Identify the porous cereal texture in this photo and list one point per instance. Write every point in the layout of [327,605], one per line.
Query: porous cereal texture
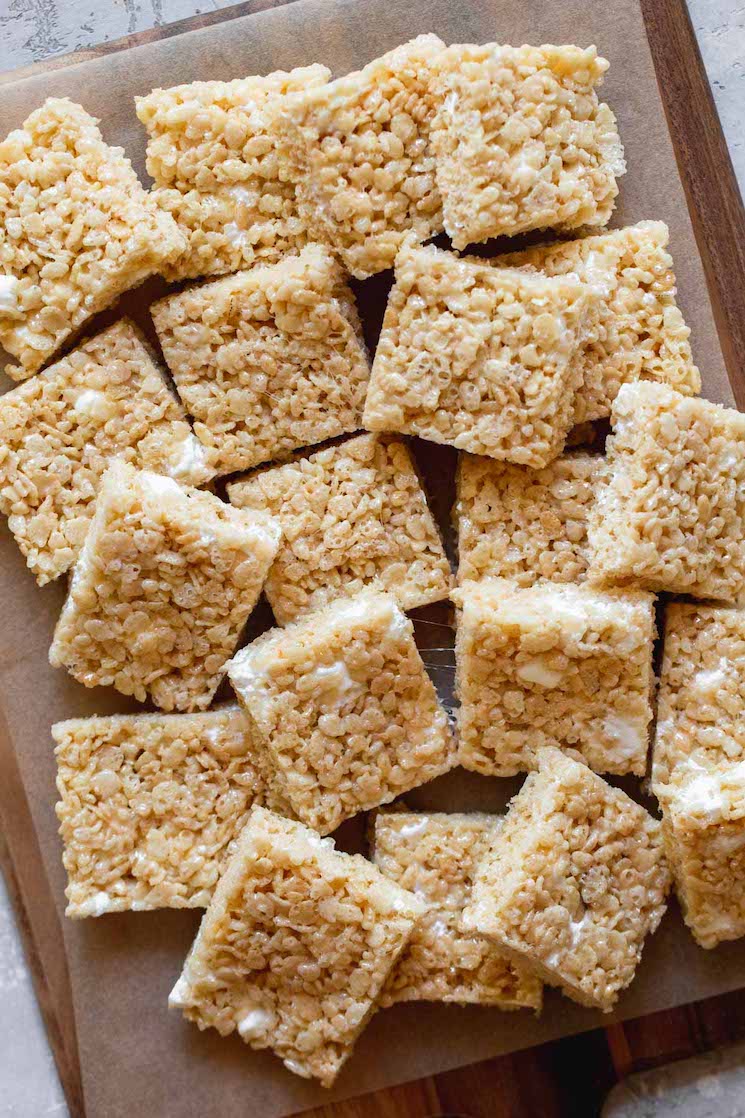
[575,881]
[358,149]
[295,946]
[553,665]
[268,360]
[521,141]
[352,515]
[163,587]
[212,152]
[150,806]
[524,524]
[60,430]
[343,709]
[670,508]
[436,856]
[478,357]
[636,330]
[76,230]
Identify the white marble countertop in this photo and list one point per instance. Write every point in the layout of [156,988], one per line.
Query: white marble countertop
[31,30]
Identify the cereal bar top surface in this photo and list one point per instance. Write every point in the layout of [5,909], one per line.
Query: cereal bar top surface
[352,515]
[165,582]
[150,806]
[521,140]
[295,946]
[78,231]
[267,360]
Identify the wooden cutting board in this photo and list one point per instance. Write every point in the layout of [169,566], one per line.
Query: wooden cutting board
[570,1076]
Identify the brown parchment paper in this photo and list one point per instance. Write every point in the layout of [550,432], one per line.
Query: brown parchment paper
[137,1058]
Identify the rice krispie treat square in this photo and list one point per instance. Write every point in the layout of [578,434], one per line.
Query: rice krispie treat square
[352,516]
[268,360]
[477,356]
[150,806]
[524,524]
[521,141]
[435,857]
[163,587]
[557,665]
[574,882]
[212,152]
[358,149]
[343,709]
[60,430]
[76,230]
[295,946]
[636,330]
[670,511]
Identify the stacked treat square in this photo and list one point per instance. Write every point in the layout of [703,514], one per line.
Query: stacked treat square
[273,189]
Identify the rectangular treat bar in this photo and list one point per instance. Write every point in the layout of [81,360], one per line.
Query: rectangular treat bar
[352,516]
[556,665]
[213,156]
[524,524]
[478,357]
[60,430]
[78,231]
[163,587]
[358,149]
[436,856]
[150,806]
[295,947]
[574,882]
[343,709]
[521,141]
[268,360]
[670,513]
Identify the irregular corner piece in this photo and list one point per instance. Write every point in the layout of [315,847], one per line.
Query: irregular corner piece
[478,357]
[553,665]
[343,709]
[436,856]
[352,515]
[213,155]
[164,585]
[574,882]
[150,806]
[636,330]
[670,512]
[268,360]
[524,524]
[60,430]
[521,141]
[331,926]
[79,231]
[358,149]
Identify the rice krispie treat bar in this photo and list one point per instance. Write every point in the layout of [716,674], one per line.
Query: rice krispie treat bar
[358,149]
[574,883]
[60,430]
[636,330]
[163,587]
[295,946]
[477,356]
[212,153]
[521,141]
[352,515]
[524,524]
[150,806]
[78,230]
[343,709]
[436,857]
[267,360]
[670,513]
[557,665]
